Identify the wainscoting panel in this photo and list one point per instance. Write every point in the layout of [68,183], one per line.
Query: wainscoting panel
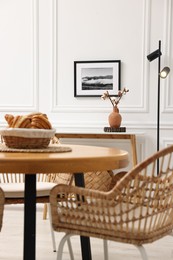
[19,55]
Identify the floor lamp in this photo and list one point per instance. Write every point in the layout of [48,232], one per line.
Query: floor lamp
[161,74]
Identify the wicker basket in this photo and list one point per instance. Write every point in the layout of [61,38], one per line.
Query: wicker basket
[21,138]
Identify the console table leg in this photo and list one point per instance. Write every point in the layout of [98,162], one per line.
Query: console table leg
[134,152]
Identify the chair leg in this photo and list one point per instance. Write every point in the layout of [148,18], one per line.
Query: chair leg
[45,211]
[65,238]
[142,252]
[70,248]
[105,247]
[51,230]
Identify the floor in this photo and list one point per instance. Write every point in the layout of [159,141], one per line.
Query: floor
[11,241]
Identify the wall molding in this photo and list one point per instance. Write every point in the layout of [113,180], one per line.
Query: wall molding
[167,141]
[94,126]
[88,125]
[34,67]
[54,57]
[93,109]
[167,107]
[143,107]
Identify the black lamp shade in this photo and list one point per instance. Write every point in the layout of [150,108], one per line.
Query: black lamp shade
[155,54]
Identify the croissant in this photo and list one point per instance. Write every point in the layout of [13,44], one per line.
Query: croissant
[34,120]
[36,114]
[9,118]
[40,121]
[18,121]
[21,122]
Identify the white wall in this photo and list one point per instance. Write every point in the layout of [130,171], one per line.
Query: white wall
[41,39]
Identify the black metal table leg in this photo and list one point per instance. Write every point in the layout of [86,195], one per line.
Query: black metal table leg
[30,217]
[85,241]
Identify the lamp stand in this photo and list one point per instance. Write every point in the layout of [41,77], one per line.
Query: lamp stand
[158,106]
[161,74]
[158,101]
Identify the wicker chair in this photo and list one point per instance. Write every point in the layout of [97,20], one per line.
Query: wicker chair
[13,187]
[137,210]
[1,206]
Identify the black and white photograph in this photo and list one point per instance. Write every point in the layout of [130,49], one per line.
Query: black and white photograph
[92,78]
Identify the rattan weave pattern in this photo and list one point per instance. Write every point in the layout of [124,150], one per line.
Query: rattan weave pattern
[26,138]
[99,180]
[137,210]
[25,143]
[49,149]
[1,207]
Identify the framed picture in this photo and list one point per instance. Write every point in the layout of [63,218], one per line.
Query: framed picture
[93,78]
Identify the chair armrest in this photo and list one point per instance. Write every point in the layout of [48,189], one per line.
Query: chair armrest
[63,192]
[115,178]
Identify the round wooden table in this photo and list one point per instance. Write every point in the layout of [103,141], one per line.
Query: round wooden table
[80,159]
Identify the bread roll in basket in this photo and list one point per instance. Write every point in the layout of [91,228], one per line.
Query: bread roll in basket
[33,131]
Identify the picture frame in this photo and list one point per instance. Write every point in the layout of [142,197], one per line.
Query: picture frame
[93,78]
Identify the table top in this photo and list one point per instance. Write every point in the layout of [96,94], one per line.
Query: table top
[105,135]
[80,159]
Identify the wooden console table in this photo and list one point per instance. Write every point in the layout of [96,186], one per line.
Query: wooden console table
[117,136]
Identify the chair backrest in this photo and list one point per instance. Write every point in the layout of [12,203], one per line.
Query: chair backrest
[11,178]
[62,178]
[138,209]
[144,197]
[2,201]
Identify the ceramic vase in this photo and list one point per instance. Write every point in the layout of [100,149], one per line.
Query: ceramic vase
[115,118]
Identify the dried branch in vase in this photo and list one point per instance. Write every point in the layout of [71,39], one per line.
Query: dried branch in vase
[114,100]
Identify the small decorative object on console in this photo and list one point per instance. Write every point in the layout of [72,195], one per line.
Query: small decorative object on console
[114,117]
[113,129]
